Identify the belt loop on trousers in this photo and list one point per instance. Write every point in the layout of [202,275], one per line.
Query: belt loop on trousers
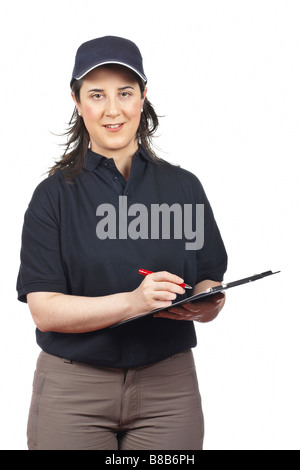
[68,361]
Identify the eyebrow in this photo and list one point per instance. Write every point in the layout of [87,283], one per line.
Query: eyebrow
[102,90]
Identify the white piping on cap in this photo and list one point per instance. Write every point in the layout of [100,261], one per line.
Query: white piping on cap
[112,62]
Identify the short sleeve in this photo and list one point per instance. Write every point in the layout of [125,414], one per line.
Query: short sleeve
[41,267]
[212,257]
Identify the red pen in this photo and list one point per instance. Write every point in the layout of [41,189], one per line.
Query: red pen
[144,272]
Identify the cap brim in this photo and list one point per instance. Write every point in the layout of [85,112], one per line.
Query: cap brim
[142,76]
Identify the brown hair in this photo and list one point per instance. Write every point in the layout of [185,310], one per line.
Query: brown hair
[78,138]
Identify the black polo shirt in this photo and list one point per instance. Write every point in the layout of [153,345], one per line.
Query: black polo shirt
[64,249]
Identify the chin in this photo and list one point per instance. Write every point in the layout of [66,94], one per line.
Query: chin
[116,145]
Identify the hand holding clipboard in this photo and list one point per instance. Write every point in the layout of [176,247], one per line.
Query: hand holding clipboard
[215,295]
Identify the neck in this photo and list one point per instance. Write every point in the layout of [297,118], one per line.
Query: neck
[124,165]
[122,157]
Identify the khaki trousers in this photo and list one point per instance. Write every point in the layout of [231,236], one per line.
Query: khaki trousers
[76,406]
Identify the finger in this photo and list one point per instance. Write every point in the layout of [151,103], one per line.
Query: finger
[170,316]
[203,318]
[206,317]
[164,295]
[178,310]
[162,304]
[170,287]
[166,276]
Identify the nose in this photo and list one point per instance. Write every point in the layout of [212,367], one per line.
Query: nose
[112,108]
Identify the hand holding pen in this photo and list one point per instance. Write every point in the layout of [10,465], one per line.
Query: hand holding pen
[157,290]
[203,311]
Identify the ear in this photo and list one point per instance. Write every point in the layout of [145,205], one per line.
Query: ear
[76,104]
[145,93]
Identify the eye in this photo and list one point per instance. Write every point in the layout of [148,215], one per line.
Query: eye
[124,94]
[97,96]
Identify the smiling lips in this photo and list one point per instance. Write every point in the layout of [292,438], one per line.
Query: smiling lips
[114,127]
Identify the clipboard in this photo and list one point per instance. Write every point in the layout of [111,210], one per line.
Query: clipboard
[207,293]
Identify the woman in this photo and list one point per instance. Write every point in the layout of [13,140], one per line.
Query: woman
[109,207]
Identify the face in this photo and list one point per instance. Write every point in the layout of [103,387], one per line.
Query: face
[110,105]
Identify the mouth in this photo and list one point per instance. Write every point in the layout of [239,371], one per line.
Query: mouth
[114,127]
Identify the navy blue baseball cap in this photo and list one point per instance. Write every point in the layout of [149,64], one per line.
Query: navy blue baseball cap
[107,50]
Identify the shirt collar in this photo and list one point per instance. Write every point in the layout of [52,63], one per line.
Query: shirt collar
[93,159]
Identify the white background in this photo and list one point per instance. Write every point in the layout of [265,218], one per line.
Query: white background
[226,76]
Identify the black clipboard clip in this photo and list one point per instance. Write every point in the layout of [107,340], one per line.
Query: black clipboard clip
[224,286]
